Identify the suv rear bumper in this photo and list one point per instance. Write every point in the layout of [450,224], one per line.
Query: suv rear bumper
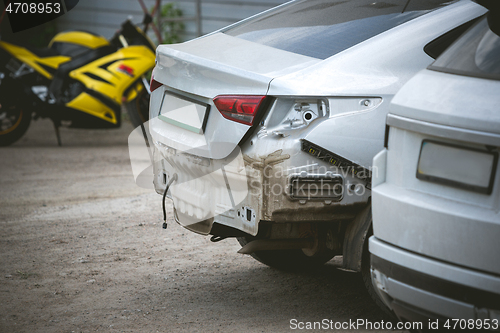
[417,287]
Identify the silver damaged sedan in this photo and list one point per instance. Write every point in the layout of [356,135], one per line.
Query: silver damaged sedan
[266,130]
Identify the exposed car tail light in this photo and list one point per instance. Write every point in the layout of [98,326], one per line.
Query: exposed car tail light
[241,109]
[153,85]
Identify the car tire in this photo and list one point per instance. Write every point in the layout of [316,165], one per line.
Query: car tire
[288,260]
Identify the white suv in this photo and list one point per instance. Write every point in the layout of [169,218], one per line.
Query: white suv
[436,198]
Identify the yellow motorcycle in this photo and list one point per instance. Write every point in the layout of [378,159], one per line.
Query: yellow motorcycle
[80,80]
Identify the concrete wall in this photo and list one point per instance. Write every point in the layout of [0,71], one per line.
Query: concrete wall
[105,16]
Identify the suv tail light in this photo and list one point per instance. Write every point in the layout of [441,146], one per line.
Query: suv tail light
[241,109]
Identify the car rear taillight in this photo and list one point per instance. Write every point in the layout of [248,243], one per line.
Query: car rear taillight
[154,84]
[241,109]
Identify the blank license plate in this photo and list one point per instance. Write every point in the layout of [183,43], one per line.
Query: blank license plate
[457,166]
[185,113]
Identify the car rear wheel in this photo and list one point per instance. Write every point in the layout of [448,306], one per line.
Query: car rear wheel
[290,260]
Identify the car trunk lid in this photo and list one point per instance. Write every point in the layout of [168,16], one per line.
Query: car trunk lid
[220,64]
[200,70]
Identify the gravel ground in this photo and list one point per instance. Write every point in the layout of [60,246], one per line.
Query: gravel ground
[82,249]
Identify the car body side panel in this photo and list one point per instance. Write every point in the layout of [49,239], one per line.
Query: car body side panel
[356,136]
[377,67]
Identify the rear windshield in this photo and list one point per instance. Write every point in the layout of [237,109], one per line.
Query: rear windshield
[322,28]
[476,53]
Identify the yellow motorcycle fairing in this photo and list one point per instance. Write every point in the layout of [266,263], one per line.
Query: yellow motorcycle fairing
[81,38]
[133,93]
[110,77]
[93,106]
[32,60]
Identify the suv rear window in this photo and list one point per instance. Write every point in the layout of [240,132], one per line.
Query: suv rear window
[476,53]
[322,28]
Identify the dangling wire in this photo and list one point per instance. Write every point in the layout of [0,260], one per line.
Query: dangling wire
[174,178]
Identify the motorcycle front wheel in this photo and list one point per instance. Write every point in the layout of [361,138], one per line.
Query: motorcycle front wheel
[138,108]
[14,122]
